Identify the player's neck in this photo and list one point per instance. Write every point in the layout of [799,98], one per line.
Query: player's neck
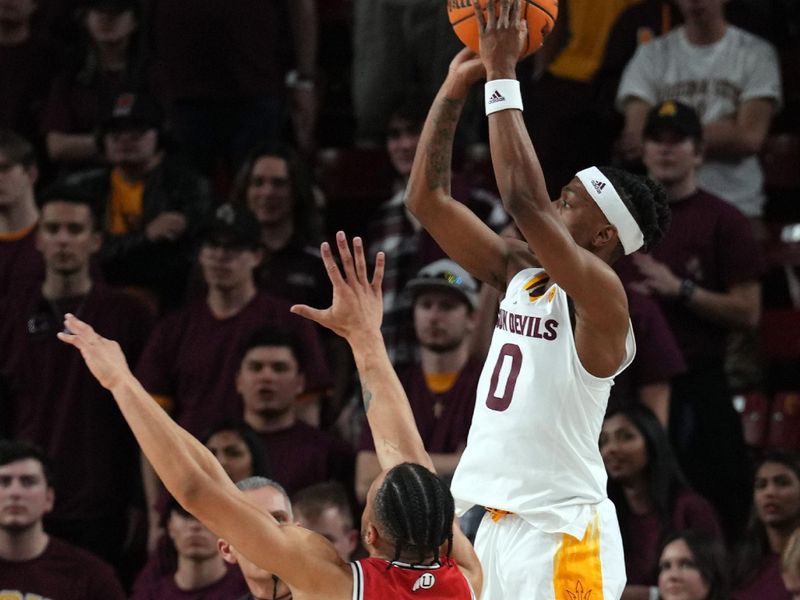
[275,236]
[19,216]
[444,362]
[58,286]
[270,423]
[681,189]
[194,574]
[23,545]
[706,31]
[227,302]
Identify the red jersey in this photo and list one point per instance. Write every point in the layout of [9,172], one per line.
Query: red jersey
[375,579]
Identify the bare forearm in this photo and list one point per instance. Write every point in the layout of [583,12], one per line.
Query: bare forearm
[656,397]
[67,147]
[182,463]
[394,430]
[726,139]
[305,35]
[727,309]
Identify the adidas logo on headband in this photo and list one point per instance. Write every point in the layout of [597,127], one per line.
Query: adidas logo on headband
[598,185]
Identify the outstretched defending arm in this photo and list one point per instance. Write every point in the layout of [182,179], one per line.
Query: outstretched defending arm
[305,561]
[356,314]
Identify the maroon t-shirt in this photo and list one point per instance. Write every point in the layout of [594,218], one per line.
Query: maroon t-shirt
[218,50]
[658,357]
[192,357]
[62,572]
[303,455]
[712,243]
[21,264]
[297,274]
[642,535]
[443,420]
[231,586]
[77,107]
[767,584]
[58,404]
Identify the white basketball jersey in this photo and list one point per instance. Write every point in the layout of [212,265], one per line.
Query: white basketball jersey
[533,445]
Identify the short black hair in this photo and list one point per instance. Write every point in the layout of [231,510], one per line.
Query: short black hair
[416,510]
[273,336]
[12,451]
[17,149]
[61,191]
[646,200]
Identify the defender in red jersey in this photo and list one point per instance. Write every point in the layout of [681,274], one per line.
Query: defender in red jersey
[417,549]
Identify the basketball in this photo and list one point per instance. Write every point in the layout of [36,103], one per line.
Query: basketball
[541,16]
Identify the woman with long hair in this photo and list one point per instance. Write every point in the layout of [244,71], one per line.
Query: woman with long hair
[649,491]
[774,517]
[692,566]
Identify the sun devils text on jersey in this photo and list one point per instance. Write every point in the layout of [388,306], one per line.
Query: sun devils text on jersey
[378,579]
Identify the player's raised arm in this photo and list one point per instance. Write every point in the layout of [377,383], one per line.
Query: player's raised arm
[461,234]
[196,479]
[356,314]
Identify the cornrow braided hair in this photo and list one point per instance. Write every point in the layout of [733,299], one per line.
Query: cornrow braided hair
[416,509]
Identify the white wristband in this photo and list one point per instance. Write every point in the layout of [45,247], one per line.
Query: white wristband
[502,94]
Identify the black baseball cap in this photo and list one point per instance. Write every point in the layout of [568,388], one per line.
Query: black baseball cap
[133,110]
[234,226]
[447,276]
[674,117]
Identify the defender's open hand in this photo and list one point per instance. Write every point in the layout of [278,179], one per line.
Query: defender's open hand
[357,307]
[103,357]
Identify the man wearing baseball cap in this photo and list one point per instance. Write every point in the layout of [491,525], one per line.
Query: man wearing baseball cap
[705,275]
[152,205]
[441,384]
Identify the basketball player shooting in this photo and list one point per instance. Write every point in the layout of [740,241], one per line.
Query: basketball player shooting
[416,549]
[562,333]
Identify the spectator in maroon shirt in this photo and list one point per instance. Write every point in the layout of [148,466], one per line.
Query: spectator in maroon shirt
[774,517]
[705,275]
[110,63]
[201,573]
[649,491]
[325,508]
[693,566]
[55,402]
[20,264]
[27,63]
[271,376]
[269,497]
[32,563]
[441,387]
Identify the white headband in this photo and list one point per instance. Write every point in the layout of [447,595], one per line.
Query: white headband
[607,198]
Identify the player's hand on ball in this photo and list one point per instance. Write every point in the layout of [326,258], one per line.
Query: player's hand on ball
[103,357]
[466,69]
[357,307]
[502,36]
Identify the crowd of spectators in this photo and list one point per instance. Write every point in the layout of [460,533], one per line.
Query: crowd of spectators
[168,170]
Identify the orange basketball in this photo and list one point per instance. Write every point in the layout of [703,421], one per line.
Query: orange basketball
[541,15]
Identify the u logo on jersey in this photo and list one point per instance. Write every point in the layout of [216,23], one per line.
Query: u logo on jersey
[425,582]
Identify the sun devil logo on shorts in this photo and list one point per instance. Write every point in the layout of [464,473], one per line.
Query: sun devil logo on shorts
[496,97]
[599,186]
[425,582]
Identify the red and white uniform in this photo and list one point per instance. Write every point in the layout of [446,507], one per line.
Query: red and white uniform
[378,579]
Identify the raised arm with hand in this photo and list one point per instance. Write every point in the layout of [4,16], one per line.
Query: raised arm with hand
[599,297]
[461,234]
[305,561]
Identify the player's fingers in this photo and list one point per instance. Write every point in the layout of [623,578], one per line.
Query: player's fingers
[361,262]
[505,8]
[78,327]
[69,338]
[515,6]
[479,16]
[377,275]
[344,254]
[491,16]
[330,264]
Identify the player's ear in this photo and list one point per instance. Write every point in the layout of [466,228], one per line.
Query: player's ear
[224,549]
[608,233]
